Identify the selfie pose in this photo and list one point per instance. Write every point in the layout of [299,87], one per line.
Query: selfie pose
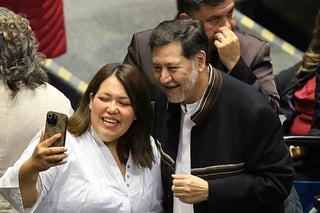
[109,162]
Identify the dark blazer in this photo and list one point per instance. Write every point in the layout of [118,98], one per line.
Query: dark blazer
[254,66]
[236,145]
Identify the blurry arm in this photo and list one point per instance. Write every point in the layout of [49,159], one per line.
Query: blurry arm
[260,73]
[263,70]
[242,72]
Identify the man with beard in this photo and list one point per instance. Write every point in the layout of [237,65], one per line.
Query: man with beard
[221,142]
[243,56]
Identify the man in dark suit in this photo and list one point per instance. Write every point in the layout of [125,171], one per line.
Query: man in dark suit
[243,56]
[220,141]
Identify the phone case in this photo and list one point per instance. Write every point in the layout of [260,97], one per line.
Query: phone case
[56,123]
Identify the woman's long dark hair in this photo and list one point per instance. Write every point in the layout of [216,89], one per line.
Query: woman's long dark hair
[137,138]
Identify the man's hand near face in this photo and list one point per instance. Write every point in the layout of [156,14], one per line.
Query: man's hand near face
[228,46]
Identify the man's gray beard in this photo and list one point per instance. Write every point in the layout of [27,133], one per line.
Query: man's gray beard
[188,87]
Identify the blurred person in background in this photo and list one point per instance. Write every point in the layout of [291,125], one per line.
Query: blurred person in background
[26,96]
[299,87]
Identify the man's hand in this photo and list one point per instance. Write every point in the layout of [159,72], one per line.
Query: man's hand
[228,46]
[190,188]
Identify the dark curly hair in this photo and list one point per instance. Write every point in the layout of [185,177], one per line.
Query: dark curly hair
[20,62]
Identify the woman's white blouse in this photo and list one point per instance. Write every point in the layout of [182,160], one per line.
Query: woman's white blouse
[90,181]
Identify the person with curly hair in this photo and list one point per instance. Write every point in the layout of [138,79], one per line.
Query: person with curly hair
[25,93]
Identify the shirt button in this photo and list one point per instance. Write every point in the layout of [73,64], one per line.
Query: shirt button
[128,166]
[128,176]
[128,185]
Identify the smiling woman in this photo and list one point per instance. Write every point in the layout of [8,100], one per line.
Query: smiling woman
[111,110]
[109,148]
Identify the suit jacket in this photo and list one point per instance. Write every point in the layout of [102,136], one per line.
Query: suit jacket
[236,145]
[254,66]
